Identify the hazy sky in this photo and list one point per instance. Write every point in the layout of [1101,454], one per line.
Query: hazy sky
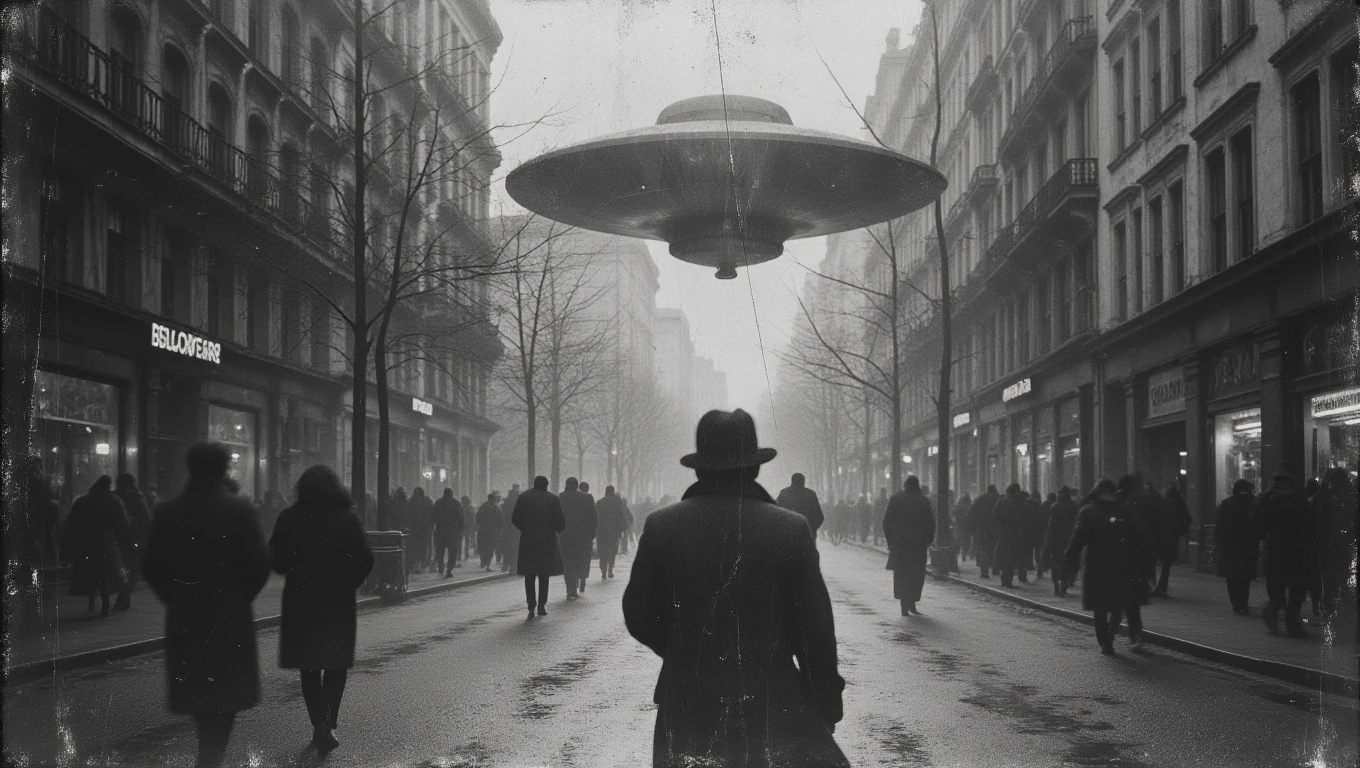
[603,66]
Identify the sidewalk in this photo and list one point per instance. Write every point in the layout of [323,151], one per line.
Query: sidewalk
[79,639]
[1197,620]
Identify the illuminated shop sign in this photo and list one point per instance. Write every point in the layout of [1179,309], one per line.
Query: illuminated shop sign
[962,419]
[420,406]
[1166,393]
[1021,387]
[185,343]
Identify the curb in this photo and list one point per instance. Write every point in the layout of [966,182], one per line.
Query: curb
[1305,676]
[35,670]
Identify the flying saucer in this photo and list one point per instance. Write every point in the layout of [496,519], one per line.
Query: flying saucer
[725,180]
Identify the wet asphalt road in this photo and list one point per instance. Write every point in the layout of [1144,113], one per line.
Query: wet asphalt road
[462,679]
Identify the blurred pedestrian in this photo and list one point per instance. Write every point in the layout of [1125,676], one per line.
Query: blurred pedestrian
[1041,527]
[446,521]
[1175,523]
[139,527]
[1282,518]
[1062,519]
[488,530]
[578,510]
[611,526]
[319,546]
[803,500]
[206,559]
[876,518]
[396,513]
[1010,534]
[1236,545]
[1110,548]
[507,545]
[628,521]
[1032,534]
[963,533]
[153,497]
[419,508]
[539,519]
[94,542]
[726,589]
[909,526]
[469,512]
[841,521]
[863,514]
[273,505]
[980,527]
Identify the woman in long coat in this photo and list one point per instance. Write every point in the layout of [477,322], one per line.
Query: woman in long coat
[206,559]
[538,516]
[909,527]
[93,544]
[488,530]
[1061,519]
[1111,548]
[1010,535]
[319,547]
[1236,545]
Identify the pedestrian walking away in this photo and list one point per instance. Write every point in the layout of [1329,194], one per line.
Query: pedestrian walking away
[980,528]
[1236,545]
[876,520]
[95,538]
[489,525]
[611,526]
[960,519]
[139,527]
[578,509]
[803,500]
[1010,534]
[419,510]
[446,519]
[1175,523]
[909,527]
[538,518]
[206,559]
[727,590]
[507,545]
[1110,548]
[1062,519]
[1284,521]
[318,545]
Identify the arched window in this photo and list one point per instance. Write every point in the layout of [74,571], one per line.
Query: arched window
[220,126]
[257,30]
[125,47]
[257,162]
[321,77]
[290,182]
[175,93]
[291,42]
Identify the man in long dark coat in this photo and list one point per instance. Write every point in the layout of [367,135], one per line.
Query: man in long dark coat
[538,517]
[139,527]
[963,533]
[1236,545]
[726,589]
[1284,520]
[419,508]
[1009,533]
[611,528]
[1062,517]
[909,526]
[578,509]
[469,512]
[1110,546]
[1175,524]
[507,546]
[980,526]
[876,519]
[93,543]
[446,517]
[206,559]
[489,525]
[803,500]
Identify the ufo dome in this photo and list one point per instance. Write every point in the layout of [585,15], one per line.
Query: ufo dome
[725,180]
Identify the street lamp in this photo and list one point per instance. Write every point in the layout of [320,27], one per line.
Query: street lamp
[725,180]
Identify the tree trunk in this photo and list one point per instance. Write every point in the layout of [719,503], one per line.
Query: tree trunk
[943,556]
[866,460]
[359,392]
[384,425]
[531,433]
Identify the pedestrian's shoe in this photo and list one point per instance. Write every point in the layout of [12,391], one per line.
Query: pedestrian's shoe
[914,609]
[324,740]
[1159,592]
[1107,649]
[611,573]
[531,612]
[1136,642]
[542,610]
[905,610]
[582,588]
[1272,621]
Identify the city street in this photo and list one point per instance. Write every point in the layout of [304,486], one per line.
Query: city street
[461,679]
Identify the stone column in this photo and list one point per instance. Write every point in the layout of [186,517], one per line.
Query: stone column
[1273,400]
[1131,441]
[1197,490]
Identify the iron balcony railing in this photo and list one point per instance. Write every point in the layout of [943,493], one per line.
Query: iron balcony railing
[1077,35]
[982,83]
[983,174]
[1076,175]
[110,81]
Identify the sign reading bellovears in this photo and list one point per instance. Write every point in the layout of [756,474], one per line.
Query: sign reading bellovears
[185,343]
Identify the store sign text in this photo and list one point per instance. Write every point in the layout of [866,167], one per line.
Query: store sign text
[1234,371]
[1166,393]
[962,419]
[1021,387]
[420,406]
[185,343]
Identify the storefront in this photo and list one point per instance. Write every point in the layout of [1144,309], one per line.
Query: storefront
[1324,390]
[1235,418]
[1163,452]
[965,457]
[78,432]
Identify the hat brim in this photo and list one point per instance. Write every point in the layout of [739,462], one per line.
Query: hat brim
[751,459]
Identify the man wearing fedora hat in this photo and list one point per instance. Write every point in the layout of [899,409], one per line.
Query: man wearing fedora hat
[726,588]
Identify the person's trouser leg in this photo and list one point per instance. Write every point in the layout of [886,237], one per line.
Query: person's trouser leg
[1007,571]
[1275,599]
[214,731]
[1165,578]
[1296,589]
[1103,635]
[542,591]
[1234,593]
[332,691]
[1135,613]
[314,698]
[529,596]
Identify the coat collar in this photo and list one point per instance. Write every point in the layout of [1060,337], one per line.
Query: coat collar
[748,490]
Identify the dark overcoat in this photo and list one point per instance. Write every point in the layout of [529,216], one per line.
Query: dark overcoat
[1062,518]
[612,523]
[1110,546]
[446,516]
[726,588]
[324,557]
[804,501]
[139,525]
[206,559]
[980,522]
[1285,522]
[909,527]
[1010,534]
[1236,545]
[94,541]
[578,512]
[538,518]
[488,527]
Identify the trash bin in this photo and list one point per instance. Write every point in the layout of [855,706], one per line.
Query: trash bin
[388,577]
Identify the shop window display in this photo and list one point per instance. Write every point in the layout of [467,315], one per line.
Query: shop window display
[1023,454]
[1043,451]
[1331,432]
[77,432]
[1237,449]
[236,430]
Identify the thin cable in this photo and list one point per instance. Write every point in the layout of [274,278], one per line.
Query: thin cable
[732,172]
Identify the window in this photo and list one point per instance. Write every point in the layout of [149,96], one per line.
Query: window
[321,78]
[256,34]
[1043,335]
[1136,87]
[1154,52]
[175,261]
[1121,271]
[257,168]
[175,92]
[1346,108]
[1213,30]
[1079,135]
[1120,138]
[1241,17]
[1216,182]
[61,220]
[1062,295]
[291,53]
[219,130]
[1136,258]
[1022,326]
[1173,48]
[1243,186]
[1175,197]
[221,294]
[1308,149]
[122,253]
[1156,271]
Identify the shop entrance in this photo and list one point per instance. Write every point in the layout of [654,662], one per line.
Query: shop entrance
[1163,456]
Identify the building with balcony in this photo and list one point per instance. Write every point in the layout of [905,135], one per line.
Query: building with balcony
[1228,293]
[175,255]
